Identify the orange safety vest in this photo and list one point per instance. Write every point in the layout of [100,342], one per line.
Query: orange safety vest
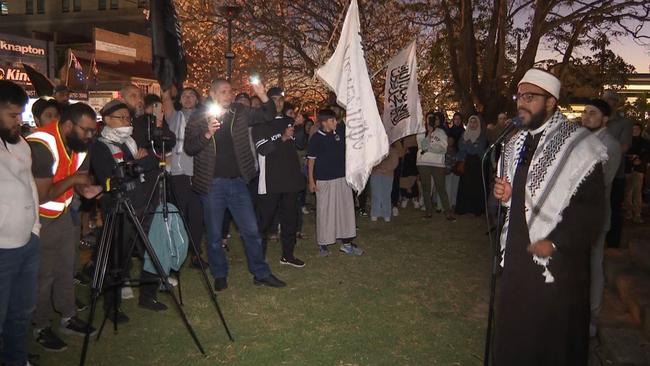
[64,166]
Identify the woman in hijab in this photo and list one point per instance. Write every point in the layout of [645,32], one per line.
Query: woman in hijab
[472,145]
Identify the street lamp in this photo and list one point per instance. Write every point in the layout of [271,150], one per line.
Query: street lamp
[229,12]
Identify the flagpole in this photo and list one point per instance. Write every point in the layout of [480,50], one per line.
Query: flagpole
[67,69]
[329,42]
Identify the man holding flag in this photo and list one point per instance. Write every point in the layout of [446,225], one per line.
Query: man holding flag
[346,74]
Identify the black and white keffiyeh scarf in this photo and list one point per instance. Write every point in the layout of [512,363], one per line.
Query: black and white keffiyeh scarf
[565,156]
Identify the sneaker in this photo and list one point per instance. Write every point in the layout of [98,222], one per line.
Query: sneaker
[416,204]
[323,251]
[351,249]
[220,283]
[49,340]
[119,318]
[423,208]
[404,203]
[173,282]
[270,281]
[373,218]
[363,213]
[305,210]
[386,219]
[80,305]
[152,304]
[292,262]
[395,211]
[76,326]
[127,293]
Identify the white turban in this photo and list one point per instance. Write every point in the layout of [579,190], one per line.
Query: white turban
[544,80]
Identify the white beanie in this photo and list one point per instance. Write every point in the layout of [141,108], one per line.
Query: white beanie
[544,80]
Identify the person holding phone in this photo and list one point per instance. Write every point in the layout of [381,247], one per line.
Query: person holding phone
[218,137]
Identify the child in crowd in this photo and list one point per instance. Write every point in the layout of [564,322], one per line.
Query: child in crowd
[335,217]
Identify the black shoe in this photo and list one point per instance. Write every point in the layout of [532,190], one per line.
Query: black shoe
[270,281]
[220,283]
[196,263]
[119,318]
[80,305]
[76,326]
[49,340]
[292,262]
[152,304]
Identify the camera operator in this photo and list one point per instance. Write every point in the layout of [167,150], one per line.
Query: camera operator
[115,146]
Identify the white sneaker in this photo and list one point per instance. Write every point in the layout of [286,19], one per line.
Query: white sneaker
[404,203]
[416,204]
[386,219]
[423,208]
[373,218]
[305,211]
[172,281]
[127,293]
[395,211]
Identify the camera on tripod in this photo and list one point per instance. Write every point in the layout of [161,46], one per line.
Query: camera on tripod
[125,178]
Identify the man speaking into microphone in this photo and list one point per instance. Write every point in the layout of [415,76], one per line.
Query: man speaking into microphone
[552,184]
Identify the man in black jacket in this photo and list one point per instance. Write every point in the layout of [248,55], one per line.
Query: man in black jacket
[280,178]
[218,136]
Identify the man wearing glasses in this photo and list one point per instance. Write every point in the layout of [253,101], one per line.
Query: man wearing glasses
[553,187]
[116,145]
[59,166]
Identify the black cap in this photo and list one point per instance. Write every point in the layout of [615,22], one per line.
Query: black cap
[275,92]
[242,95]
[601,105]
[61,88]
[112,106]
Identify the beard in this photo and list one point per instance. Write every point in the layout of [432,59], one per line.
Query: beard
[10,135]
[76,144]
[536,119]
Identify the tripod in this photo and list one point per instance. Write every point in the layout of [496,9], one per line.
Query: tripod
[163,183]
[122,210]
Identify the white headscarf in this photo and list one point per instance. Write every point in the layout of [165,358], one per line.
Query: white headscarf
[472,135]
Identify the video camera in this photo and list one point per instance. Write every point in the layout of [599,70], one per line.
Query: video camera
[125,178]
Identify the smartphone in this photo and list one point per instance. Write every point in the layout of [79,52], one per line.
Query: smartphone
[254,79]
[157,109]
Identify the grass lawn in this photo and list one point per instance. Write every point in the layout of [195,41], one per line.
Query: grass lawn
[417,297]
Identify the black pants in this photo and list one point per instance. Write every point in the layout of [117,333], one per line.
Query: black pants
[189,203]
[120,262]
[616,228]
[286,204]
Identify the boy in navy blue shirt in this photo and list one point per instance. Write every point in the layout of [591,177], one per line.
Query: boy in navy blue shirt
[335,217]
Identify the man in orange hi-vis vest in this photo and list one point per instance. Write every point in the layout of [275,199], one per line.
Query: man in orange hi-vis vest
[59,167]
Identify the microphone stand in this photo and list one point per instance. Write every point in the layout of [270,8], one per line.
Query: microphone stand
[494,240]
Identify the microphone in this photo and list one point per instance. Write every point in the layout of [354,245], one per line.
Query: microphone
[515,124]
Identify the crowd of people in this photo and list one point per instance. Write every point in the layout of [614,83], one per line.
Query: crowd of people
[252,160]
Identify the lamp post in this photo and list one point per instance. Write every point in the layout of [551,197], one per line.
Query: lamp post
[230,13]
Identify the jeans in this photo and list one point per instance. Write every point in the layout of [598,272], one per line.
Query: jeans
[380,204]
[18,288]
[232,194]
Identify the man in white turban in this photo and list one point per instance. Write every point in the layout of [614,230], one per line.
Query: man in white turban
[553,187]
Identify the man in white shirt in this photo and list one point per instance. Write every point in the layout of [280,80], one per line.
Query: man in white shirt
[19,229]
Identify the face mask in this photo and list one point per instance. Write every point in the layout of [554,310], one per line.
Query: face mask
[123,132]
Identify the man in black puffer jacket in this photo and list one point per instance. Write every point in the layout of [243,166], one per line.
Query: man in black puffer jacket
[218,136]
